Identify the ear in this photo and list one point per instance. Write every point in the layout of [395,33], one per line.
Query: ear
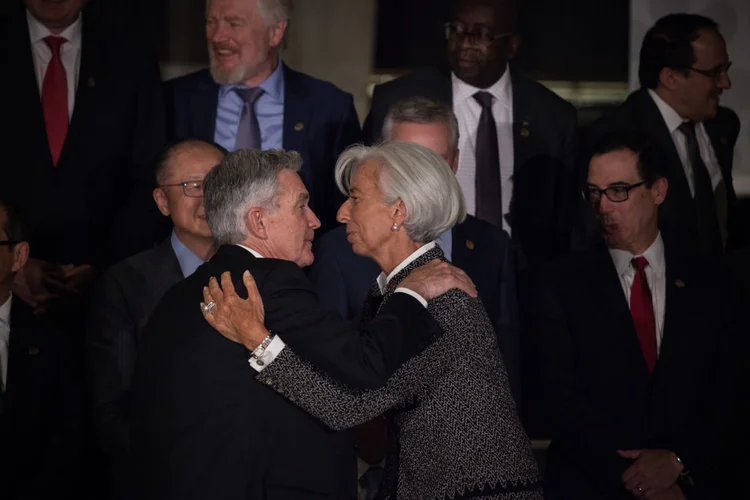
[399,212]
[454,163]
[670,78]
[513,44]
[659,190]
[257,223]
[161,201]
[277,33]
[20,256]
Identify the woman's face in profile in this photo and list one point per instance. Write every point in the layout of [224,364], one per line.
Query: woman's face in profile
[368,219]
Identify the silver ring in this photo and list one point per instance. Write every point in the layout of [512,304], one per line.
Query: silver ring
[640,490]
[209,306]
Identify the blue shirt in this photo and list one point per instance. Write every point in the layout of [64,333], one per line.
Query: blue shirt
[189,262]
[445,241]
[269,109]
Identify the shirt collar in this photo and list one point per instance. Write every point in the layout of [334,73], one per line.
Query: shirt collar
[38,31]
[256,254]
[273,86]
[501,90]
[671,117]
[383,280]
[5,309]
[654,255]
[188,261]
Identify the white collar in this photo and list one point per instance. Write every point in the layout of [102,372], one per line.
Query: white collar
[501,90]
[671,117]
[654,255]
[256,254]
[38,31]
[383,280]
[5,309]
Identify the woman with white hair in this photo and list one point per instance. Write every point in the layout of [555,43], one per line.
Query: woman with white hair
[457,434]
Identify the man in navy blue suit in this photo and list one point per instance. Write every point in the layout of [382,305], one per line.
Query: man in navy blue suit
[341,278]
[249,98]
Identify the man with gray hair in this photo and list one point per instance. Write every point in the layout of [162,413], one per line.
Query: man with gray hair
[249,98]
[203,427]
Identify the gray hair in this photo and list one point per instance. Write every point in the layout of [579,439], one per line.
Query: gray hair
[422,111]
[244,179]
[275,11]
[415,175]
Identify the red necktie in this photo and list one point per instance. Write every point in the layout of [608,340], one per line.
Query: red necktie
[642,311]
[55,99]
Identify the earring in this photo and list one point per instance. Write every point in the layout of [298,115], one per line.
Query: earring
[394,227]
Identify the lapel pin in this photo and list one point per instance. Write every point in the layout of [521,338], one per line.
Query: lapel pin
[299,126]
[91,82]
[679,284]
[525,123]
[470,244]
[33,351]
[524,132]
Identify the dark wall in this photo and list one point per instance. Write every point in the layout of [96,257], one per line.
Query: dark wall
[576,40]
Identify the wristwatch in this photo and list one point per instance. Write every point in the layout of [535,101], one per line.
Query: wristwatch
[259,351]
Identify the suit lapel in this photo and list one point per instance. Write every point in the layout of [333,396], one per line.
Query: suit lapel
[21,352]
[523,125]
[297,115]
[724,153]
[203,104]
[466,252]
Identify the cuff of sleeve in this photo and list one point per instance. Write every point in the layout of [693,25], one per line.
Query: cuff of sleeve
[413,294]
[272,351]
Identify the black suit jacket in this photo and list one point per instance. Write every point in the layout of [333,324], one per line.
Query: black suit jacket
[319,122]
[95,207]
[40,426]
[677,214]
[126,296]
[596,392]
[545,201]
[341,279]
[203,427]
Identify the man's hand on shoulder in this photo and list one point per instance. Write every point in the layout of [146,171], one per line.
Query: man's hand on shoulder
[436,278]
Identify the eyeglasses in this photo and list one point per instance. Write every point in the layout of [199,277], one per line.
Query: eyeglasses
[715,73]
[191,189]
[479,36]
[615,194]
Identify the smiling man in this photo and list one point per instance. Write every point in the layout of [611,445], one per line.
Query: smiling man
[684,69]
[633,340]
[248,98]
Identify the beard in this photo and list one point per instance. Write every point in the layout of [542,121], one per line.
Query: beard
[232,77]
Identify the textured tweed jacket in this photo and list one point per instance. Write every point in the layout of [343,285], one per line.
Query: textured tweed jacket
[457,431]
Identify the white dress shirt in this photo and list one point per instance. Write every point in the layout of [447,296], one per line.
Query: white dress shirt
[468,111]
[4,340]
[70,54]
[277,345]
[673,121]
[655,276]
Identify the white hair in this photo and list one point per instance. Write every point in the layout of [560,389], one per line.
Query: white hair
[244,179]
[275,11]
[422,111]
[415,175]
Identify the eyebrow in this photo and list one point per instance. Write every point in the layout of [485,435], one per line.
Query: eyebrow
[612,184]
[303,197]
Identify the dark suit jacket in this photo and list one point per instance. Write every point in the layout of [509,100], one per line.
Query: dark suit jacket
[677,214]
[545,200]
[319,123]
[125,297]
[95,207]
[596,392]
[40,426]
[341,279]
[203,427]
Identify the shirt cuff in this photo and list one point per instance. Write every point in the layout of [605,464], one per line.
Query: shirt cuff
[272,351]
[413,294]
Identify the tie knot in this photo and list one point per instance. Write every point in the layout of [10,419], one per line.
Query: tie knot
[484,99]
[688,128]
[249,95]
[54,43]
[640,263]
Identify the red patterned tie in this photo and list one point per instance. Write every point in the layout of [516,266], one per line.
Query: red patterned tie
[55,99]
[642,311]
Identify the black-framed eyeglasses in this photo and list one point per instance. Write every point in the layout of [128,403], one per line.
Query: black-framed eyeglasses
[191,189]
[715,73]
[7,243]
[476,36]
[615,194]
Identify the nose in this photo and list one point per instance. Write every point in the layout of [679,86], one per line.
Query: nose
[724,83]
[312,220]
[215,32]
[343,214]
[605,205]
